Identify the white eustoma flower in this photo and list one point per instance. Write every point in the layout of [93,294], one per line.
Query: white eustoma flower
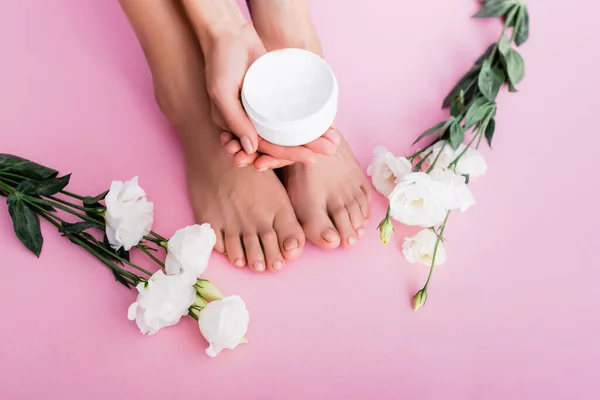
[386,170]
[458,194]
[419,200]
[471,163]
[189,248]
[162,301]
[420,248]
[223,323]
[128,215]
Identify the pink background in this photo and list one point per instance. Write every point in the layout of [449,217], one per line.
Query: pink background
[512,315]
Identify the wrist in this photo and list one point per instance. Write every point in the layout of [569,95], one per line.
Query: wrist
[214,18]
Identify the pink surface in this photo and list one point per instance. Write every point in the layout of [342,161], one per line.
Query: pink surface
[512,315]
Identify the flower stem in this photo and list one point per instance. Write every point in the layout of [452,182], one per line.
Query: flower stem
[435,160]
[159,237]
[144,250]
[452,165]
[73,195]
[435,249]
[66,209]
[127,275]
[67,203]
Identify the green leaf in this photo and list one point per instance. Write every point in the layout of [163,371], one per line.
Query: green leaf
[489,131]
[47,187]
[92,201]
[477,111]
[512,88]
[468,83]
[26,224]
[457,135]
[522,33]
[495,8]
[70,229]
[25,168]
[490,80]
[504,45]
[515,67]
[438,127]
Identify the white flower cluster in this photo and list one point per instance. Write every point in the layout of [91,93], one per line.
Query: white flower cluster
[166,297]
[423,197]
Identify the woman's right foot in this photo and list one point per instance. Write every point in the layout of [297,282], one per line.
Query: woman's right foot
[249,210]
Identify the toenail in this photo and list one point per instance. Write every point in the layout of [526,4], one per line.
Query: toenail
[365,221]
[360,231]
[259,266]
[330,235]
[290,244]
[242,165]
[351,240]
[262,169]
[277,264]
[239,262]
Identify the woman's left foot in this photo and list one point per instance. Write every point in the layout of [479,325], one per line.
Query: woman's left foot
[331,198]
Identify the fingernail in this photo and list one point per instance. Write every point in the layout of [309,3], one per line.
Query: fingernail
[289,244]
[360,231]
[239,262]
[351,240]
[277,265]
[330,235]
[259,266]
[247,145]
[242,165]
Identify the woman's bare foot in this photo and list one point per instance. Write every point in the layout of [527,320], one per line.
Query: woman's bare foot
[331,198]
[249,210]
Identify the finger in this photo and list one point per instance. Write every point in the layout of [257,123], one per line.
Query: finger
[292,153]
[241,159]
[233,147]
[225,96]
[226,137]
[265,162]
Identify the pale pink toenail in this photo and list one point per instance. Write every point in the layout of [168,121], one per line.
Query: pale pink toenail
[242,165]
[259,266]
[351,240]
[239,262]
[290,244]
[360,231]
[277,264]
[330,235]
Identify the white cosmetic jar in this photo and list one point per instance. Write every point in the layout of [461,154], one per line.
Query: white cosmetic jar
[291,96]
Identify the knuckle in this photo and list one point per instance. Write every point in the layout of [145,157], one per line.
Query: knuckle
[269,235]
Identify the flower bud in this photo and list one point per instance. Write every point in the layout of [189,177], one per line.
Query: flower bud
[419,299]
[386,229]
[207,290]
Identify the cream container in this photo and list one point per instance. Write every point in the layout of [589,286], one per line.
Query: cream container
[291,96]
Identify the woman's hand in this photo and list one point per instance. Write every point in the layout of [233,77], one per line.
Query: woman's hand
[282,24]
[230,45]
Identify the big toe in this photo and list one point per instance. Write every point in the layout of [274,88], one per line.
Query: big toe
[290,235]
